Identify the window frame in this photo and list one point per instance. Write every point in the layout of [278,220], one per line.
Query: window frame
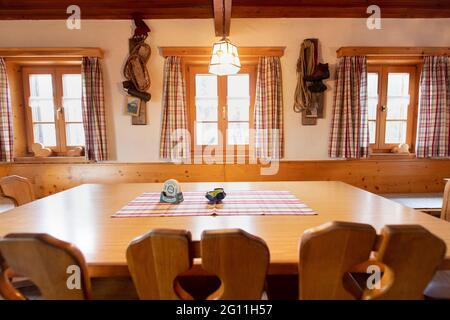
[383,68]
[192,69]
[57,71]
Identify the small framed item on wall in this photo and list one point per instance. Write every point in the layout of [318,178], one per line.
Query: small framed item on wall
[133,105]
[140,119]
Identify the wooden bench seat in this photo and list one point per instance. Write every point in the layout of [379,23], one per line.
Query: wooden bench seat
[430,203]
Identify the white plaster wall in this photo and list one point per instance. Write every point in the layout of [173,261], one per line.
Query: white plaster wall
[141,143]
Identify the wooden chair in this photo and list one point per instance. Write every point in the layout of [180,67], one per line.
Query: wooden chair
[18,189]
[239,259]
[414,254]
[327,254]
[45,261]
[445,211]
[156,259]
[333,257]
[439,287]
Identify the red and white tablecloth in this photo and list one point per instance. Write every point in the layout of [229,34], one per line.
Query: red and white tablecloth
[250,202]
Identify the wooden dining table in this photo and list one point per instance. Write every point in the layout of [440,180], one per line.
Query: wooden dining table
[83,216]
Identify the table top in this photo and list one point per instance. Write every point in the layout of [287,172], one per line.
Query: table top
[82,216]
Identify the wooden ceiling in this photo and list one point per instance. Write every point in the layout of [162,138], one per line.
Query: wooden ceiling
[188,9]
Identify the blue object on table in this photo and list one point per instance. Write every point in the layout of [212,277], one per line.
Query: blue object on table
[216,195]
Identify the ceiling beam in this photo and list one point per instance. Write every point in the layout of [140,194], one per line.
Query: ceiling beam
[203,9]
[222,17]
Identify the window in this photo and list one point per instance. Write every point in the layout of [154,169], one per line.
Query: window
[53,112]
[391,105]
[221,110]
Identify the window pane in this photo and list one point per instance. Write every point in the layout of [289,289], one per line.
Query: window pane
[41,98]
[206,109]
[238,85]
[238,99]
[41,86]
[72,85]
[372,108]
[206,133]
[398,96]
[45,134]
[372,84]
[205,85]
[238,109]
[42,109]
[237,133]
[372,131]
[372,93]
[75,134]
[395,132]
[397,108]
[72,110]
[72,97]
[206,101]
[398,84]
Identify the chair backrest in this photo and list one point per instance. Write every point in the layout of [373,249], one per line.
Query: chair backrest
[327,254]
[18,189]
[445,212]
[331,255]
[413,254]
[156,259]
[56,267]
[239,259]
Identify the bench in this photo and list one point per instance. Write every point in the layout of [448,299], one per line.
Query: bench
[430,203]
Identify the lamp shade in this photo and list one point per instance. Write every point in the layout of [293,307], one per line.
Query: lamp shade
[224,58]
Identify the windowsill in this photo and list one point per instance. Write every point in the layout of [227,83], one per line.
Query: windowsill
[391,155]
[80,159]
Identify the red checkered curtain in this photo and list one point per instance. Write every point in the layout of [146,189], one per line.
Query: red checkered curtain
[269,133]
[6,130]
[349,136]
[433,139]
[93,105]
[175,142]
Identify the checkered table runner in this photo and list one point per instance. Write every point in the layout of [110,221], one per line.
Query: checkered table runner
[235,203]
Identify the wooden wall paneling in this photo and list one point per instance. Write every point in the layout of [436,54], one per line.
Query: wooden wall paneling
[52,178]
[378,176]
[17,104]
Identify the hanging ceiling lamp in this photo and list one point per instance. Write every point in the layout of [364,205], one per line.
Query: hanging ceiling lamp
[224,56]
